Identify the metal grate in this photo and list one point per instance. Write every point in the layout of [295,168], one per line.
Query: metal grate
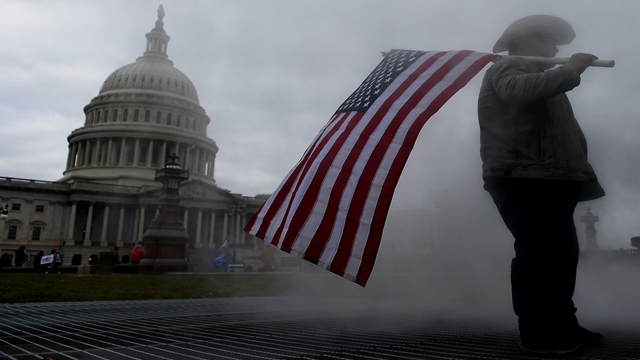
[263,328]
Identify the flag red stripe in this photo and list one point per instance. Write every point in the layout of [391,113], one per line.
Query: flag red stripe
[322,235]
[303,210]
[390,183]
[308,163]
[283,191]
[373,163]
[331,207]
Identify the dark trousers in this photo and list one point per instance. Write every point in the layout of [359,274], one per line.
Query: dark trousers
[539,214]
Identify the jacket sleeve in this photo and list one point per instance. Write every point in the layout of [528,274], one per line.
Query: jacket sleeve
[514,82]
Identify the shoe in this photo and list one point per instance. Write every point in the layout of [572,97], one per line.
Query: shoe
[585,337]
[557,349]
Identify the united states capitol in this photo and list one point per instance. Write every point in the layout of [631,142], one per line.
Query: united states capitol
[144,112]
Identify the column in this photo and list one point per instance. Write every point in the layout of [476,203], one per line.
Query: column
[203,163]
[69,156]
[237,226]
[86,153]
[187,159]
[163,155]
[196,167]
[136,152]
[79,152]
[209,164]
[123,151]
[105,226]
[199,230]
[96,154]
[141,223]
[120,226]
[87,234]
[212,225]
[243,220]
[149,153]
[109,155]
[72,221]
[225,223]
[134,230]
[213,164]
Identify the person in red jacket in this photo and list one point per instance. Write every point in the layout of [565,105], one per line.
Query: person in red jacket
[136,254]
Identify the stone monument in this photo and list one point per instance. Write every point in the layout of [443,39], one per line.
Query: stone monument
[589,219]
[165,241]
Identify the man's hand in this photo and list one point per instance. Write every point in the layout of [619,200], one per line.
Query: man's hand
[582,61]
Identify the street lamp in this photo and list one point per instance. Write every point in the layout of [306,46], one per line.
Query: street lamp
[4,212]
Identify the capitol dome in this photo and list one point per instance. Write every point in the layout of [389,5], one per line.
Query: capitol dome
[144,112]
[150,72]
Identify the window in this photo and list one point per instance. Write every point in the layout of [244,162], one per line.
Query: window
[151,80]
[39,208]
[106,116]
[169,119]
[15,207]
[179,120]
[135,115]
[115,115]
[142,78]
[13,230]
[125,115]
[126,79]
[98,118]
[160,80]
[135,76]
[147,115]
[158,116]
[35,234]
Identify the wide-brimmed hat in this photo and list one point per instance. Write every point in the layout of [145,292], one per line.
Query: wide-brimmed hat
[559,28]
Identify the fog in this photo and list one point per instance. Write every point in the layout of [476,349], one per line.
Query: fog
[270,74]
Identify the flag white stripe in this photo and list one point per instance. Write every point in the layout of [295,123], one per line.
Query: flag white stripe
[305,235]
[285,204]
[345,203]
[304,183]
[383,170]
[312,213]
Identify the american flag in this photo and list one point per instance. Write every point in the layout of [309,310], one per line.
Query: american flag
[331,207]
[192,147]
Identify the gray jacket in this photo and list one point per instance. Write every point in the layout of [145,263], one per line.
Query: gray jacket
[527,126]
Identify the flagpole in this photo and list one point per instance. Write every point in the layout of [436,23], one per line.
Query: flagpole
[559,61]
[547,60]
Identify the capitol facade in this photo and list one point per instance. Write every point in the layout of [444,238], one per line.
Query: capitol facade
[144,112]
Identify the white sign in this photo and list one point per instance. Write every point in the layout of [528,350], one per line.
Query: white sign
[47,259]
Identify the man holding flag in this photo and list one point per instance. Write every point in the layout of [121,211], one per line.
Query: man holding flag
[331,207]
[535,167]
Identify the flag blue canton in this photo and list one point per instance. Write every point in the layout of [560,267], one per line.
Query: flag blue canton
[393,64]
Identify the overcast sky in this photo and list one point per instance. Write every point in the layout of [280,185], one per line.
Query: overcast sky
[270,73]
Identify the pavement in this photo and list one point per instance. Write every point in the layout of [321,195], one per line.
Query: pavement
[327,328]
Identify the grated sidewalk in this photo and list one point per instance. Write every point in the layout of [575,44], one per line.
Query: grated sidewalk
[265,328]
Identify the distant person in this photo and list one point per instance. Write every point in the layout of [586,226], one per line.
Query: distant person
[38,259]
[136,254]
[115,253]
[57,261]
[5,260]
[21,256]
[268,259]
[535,167]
